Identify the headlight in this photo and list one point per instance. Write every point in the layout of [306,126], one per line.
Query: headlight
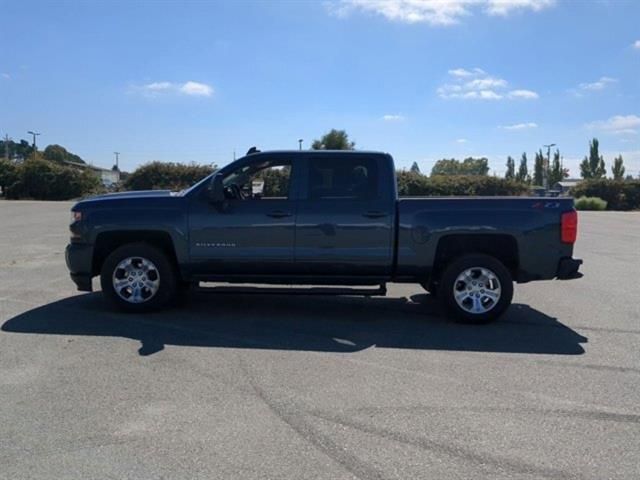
[76,216]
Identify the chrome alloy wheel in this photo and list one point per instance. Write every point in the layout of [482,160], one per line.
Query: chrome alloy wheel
[477,290]
[136,279]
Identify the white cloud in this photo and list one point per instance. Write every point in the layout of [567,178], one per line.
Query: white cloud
[461,140]
[487,82]
[504,7]
[618,125]
[433,12]
[197,89]
[477,84]
[636,45]
[525,94]
[5,75]
[598,84]
[158,86]
[393,118]
[188,88]
[520,126]
[461,72]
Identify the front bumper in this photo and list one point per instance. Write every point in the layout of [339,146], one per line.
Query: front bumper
[568,268]
[79,258]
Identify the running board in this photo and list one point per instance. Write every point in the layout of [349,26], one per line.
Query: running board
[367,292]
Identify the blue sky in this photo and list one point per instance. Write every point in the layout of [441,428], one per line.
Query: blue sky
[423,80]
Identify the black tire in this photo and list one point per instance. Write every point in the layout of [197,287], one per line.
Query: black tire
[166,276]
[490,309]
[432,288]
[184,291]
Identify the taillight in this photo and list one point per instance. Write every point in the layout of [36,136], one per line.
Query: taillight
[569,227]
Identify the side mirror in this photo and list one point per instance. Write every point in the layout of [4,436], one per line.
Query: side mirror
[216,189]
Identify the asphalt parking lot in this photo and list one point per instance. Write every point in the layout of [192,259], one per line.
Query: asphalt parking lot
[235,386]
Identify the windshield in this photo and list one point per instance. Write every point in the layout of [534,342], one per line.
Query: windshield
[187,191]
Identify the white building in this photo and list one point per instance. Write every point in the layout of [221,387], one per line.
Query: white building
[108,177]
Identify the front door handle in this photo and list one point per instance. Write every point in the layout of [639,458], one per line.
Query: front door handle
[278,214]
[374,214]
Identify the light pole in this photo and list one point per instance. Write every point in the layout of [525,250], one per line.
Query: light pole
[6,146]
[545,168]
[117,154]
[300,143]
[34,135]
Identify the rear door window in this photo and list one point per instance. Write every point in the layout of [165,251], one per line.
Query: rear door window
[343,178]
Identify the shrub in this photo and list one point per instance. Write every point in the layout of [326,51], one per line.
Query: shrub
[45,180]
[415,184]
[166,176]
[8,175]
[590,203]
[619,195]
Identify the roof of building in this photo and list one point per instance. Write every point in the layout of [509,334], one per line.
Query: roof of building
[569,182]
[87,165]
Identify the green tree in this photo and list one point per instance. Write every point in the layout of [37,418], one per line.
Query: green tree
[469,166]
[538,169]
[593,165]
[556,172]
[8,175]
[59,154]
[617,169]
[523,170]
[23,149]
[511,169]
[334,140]
[415,168]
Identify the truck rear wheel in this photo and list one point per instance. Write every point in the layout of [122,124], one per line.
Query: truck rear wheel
[476,288]
[138,277]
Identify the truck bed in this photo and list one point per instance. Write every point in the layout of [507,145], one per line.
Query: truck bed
[424,222]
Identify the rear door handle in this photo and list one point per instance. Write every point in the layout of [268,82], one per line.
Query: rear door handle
[375,214]
[278,214]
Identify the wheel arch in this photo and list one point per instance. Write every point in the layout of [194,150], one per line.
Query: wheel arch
[503,247]
[107,242]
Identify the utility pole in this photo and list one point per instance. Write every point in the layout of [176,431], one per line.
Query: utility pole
[300,144]
[6,146]
[117,154]
[545,168]
[35,148]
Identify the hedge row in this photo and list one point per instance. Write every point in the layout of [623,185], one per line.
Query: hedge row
[619,195]
[44,180]
[415,184]
[165,176]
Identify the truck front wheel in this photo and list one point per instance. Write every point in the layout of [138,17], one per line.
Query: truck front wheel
[476,288]
[138,277]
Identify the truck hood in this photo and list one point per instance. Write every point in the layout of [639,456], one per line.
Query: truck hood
[134,194]
[119,197]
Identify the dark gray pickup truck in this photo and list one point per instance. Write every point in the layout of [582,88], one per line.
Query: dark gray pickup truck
[322,218]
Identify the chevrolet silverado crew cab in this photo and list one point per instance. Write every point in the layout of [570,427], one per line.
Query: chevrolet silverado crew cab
[322,218]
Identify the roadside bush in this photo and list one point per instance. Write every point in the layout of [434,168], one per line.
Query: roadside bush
[590,203]
[415,184]
[44,180]
[8,175]
[165,176]
[619,195]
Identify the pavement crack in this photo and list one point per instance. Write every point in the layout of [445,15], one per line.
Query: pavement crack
[465,454]
[307,432]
